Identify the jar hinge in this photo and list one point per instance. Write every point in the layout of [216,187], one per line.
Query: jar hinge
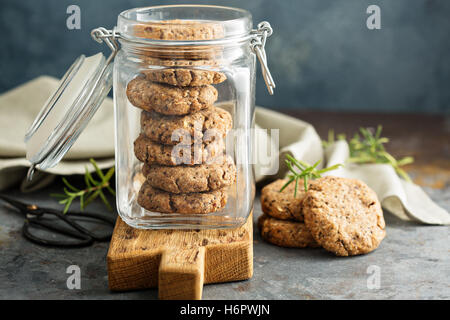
[258,44]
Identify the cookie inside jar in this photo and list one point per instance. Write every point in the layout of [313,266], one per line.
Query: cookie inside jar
[181,144]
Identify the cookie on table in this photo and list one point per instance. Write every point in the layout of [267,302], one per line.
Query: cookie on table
[283,205]
[153,199]
[284,233]
[203,126]
[169,100]
[184,77]
[177,29]
[151,152]
[344,216]
[186,179]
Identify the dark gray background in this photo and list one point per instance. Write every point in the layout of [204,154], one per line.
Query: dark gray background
[322,55]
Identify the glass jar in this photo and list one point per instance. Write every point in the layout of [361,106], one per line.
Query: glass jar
[183,82]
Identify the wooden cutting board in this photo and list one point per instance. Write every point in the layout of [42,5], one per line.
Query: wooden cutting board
[178,262]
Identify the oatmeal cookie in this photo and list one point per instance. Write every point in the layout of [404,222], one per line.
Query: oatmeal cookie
[185,179]
[283,205]
[203,126]
[184,77]
[182,30]
[175,61]
[285,233]
[344,216]
[169,100]
[153,199]
[200,54]
[150,152]
[179,30]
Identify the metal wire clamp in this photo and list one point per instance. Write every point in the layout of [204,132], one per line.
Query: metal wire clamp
[258,44]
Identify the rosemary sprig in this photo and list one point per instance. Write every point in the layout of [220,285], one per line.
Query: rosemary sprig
[94,188]
[368,147]
[306,172]
[331,139]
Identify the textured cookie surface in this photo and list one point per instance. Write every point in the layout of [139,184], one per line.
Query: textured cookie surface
[283,205]
[200,55]
[185,179]
[151,152]
[181,61]
[285,233]
[184,77]
[179,30]
[344,216]
[203,126]
[169,100]
[153,199]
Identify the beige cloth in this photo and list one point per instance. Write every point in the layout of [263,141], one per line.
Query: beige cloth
[19,107]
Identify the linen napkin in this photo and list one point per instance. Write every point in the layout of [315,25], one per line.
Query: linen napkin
[18,109]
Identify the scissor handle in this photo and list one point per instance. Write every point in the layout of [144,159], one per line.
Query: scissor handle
[83,240]
[108,220]
[67,219]
[34,213]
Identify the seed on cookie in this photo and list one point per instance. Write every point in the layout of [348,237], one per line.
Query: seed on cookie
[169,100]
[204,126]
[284,233]
[150,152]
[186,179]
[283,205]
[344,216]
[184,77]
[153,199]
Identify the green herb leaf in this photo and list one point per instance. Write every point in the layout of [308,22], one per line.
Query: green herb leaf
[368,147]
[287,183]
[305,173]
[67,206]
[97,169]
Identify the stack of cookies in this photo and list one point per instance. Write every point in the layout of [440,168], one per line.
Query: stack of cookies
[341,215]
[182,139]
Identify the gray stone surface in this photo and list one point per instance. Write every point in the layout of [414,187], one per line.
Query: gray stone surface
[413,260]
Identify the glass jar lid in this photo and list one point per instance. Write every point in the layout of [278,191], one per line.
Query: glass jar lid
[67,112]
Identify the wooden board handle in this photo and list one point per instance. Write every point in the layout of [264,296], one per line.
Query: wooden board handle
[181,274]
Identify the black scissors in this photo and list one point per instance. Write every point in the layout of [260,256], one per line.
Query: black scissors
[81,236]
